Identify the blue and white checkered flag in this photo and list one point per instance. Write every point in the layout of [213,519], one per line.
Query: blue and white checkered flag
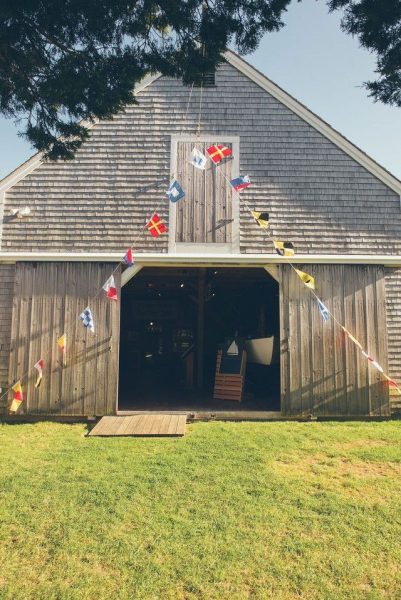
[87,319]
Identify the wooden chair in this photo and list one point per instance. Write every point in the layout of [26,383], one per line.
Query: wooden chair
[229,386]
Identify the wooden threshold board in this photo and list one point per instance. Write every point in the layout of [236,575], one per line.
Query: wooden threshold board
[147,425]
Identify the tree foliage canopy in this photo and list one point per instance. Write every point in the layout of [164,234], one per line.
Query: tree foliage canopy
[67,61]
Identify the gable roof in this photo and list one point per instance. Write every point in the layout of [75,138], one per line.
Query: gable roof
[277,92]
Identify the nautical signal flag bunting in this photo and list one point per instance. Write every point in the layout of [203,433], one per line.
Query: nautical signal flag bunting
[18,397]
[323,310]
[198,159]
[240,183]
[39,366]
[218,152]
[156,226]
[308,280]
[62,344]
[175,191]
[283,248]
[128,258]
[87,319]
[110,288]
[261,218]
[351,337]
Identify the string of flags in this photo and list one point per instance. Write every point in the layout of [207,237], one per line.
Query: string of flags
[110,288]
[284,248]
[156,225]
[261,218]
[218,154]
[62,344]
[175,191]
[87,319]
[39,366]
[18,397]
[240,183]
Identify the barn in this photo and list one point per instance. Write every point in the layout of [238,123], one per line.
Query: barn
[213,280]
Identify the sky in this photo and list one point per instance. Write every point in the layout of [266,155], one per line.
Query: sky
[313,60]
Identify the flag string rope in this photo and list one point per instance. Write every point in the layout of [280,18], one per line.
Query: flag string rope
[121,262]
[265,231]
[329,312]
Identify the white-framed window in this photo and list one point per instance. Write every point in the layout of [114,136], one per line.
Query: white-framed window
[207,219]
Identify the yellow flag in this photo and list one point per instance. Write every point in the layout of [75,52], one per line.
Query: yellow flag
[62,344]
[284,248]
[62,341]
[18,397]
[261,218]
[308,280]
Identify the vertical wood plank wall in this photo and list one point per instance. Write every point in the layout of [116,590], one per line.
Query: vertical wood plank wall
[323,373]
[208,197]
[48,299]
[6,301]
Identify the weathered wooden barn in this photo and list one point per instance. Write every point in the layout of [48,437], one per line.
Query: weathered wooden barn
[215,272]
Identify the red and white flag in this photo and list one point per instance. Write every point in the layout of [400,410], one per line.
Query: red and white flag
[110,288]
[39,366]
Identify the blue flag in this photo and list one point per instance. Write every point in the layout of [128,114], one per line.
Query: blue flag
[175,191]
[323,310]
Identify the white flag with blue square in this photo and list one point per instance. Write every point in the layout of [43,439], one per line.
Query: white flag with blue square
[198,159]
[175,191]
[87,319]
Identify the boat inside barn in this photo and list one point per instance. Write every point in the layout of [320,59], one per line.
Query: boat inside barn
[174,321]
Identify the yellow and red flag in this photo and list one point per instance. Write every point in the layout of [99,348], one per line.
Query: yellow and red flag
[218,152]
[156,226]
[18,397]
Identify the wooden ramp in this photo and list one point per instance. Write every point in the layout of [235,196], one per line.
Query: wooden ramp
[147,425]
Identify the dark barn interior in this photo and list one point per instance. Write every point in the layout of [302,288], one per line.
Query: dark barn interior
[173,322]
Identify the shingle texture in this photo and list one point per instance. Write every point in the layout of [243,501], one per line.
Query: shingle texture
[317,196]
[393,308]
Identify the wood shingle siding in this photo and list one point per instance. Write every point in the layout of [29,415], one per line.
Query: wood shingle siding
[322,372]
[48,299]
[393,309]
[318,197]
[6,302]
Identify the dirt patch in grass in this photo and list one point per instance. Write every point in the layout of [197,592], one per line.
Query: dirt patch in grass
[368,469]
[337,467]
[358,444]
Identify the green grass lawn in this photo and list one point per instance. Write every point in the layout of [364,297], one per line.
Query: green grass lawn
[231,511]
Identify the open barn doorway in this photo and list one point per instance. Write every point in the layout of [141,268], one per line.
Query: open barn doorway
[174,321]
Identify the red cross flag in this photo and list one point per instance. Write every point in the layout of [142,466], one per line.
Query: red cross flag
[156,226]
[218,152]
